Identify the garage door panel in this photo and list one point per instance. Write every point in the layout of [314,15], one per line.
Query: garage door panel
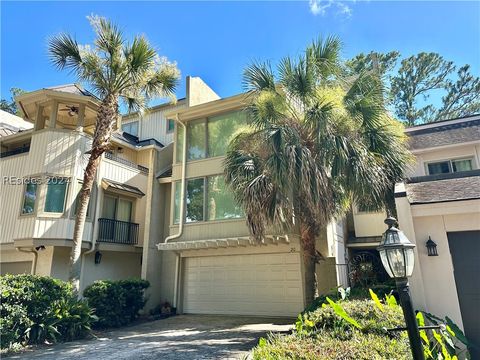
[257,284]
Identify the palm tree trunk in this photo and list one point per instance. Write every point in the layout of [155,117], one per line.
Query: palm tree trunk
[307,241]
[106,118]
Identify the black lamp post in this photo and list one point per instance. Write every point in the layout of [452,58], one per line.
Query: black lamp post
[396,252]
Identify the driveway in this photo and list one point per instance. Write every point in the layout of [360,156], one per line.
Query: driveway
[179,337]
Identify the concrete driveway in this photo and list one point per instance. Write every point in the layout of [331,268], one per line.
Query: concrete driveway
[179,337]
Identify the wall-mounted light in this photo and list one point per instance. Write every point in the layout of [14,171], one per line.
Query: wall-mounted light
[40,248]
[431,247]
[98,257]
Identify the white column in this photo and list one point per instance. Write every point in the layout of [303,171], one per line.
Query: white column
[81,117]
[53,114]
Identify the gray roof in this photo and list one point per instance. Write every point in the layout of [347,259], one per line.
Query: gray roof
[445,133]
[123,187]
[444,188]
[72,89]
[134,141]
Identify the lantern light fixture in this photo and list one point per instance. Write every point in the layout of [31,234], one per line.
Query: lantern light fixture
[98,257]
[431,247]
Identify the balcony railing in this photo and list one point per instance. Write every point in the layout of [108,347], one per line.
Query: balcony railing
[117,232]
[111,156]
[17,151]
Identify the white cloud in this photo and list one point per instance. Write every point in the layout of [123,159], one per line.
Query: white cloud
[320,7]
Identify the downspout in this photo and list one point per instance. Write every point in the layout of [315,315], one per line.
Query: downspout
[182,209]
[35,258]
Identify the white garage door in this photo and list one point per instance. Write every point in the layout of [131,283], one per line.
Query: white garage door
[260,284]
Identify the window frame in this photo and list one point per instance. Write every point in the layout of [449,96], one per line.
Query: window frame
[37,183]
[130,123]
[119,197]
[450,164]
[204,207]
[91,207]
[67,189]
[172,130]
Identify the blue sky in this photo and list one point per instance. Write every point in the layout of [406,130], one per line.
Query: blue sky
[216,40]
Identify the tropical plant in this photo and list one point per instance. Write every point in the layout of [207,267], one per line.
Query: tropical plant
[116,303]
[36,309]
[318,142]
[116,70]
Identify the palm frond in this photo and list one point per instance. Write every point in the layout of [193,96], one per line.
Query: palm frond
[258,76]
[65,52]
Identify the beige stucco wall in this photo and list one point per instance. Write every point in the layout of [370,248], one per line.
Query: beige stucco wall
[369,223]
[433,282]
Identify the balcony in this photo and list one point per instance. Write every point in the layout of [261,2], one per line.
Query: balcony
[110,156]
[117,232]
[16,151]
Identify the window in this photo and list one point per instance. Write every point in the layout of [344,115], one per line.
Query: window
[131,128]
[56,192]
[448,166]
[170,125]
[196,136]
[179,144]
[209,137]
[221,130]
[195,200]
[29,198]
[117,208]
[221,204]
[77,200]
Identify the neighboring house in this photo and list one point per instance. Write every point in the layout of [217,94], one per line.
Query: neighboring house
[439,201]
[11,124]
[42,172]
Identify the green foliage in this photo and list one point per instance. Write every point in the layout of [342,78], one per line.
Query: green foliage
[327,333]
[10,105]
[36,309]
[357,329]
[116,303]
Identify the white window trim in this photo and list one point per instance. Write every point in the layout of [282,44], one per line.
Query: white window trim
[450,163]
[37,197]
[92,201]
[46,214]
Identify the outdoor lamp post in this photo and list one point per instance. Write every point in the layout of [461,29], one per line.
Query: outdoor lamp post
[396,253]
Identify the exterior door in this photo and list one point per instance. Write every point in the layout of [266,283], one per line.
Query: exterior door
[465,250]
[118,211]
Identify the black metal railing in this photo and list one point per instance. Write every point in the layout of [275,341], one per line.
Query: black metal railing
[111,156]
[117,232]
[17,151]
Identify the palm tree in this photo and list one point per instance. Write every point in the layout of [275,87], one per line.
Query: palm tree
[317,143]
[116,70]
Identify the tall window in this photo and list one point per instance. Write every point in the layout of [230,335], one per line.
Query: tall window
[222,129]
[206,199]
[449,166]
[56,192]
[131,128]
[195,200]
[29,198]
[116,208]
[196,133]
[179,143]
[209,137]
[170,125]
[221,203]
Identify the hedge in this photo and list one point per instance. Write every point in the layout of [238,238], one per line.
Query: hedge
[35,309]
[116,303]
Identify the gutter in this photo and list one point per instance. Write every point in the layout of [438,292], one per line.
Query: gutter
[35,258]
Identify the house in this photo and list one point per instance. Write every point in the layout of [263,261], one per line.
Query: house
[211,264]
[197,253]
[439,202]
[11,124]
[42,172]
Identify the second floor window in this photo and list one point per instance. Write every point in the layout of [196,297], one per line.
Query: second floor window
[55,198]
[206,199]
[131,128]
[449,166]
[29,198]
[170,125]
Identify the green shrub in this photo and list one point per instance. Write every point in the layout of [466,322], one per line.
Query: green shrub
[116,303]
[35,309]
